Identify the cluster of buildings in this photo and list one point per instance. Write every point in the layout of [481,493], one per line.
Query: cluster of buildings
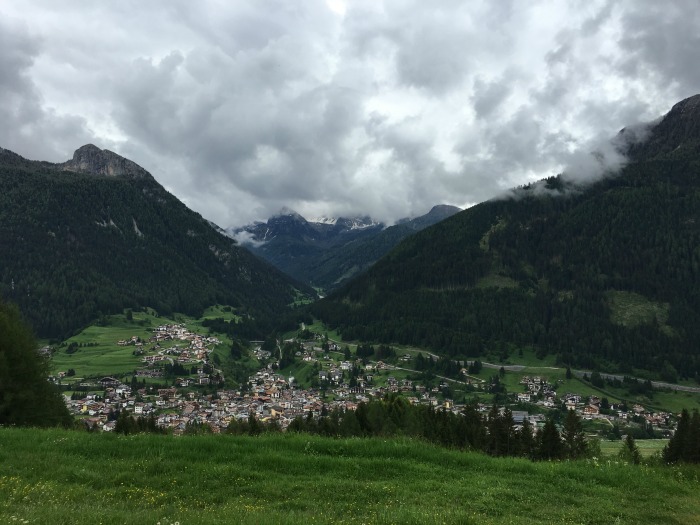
[268,396]
[189,348]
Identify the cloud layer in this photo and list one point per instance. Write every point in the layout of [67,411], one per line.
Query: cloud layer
[339,107]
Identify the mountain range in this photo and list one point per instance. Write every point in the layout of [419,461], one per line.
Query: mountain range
[326,252]
[97,234]
[603,275]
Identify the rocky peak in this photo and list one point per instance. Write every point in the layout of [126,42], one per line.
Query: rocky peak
[688,108]
[91,159]
[679,129]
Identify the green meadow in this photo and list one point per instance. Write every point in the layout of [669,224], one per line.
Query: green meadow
[99,355]
[68,477]
[647,447]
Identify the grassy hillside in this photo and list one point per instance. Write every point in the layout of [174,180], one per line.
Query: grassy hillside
[63,477]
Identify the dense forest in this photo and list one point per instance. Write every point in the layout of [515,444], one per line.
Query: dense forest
[604,275]
[76,246]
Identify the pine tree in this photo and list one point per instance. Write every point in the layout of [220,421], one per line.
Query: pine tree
[684,446]
[629,451]
[549,445]
[475,430]
[497,437]
[508,428]
[526,440]
[693,445]
[573,437]
[674,451]
[26,397]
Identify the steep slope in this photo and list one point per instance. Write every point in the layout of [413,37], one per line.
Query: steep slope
[339,264]
[603,275]
[97,234]
[291,243]
[326,252]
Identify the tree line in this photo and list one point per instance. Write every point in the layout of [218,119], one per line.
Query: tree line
[494,433]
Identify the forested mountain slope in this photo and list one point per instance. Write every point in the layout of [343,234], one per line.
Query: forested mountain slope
[338,265]
[327,252]
[602,275]
[97,234]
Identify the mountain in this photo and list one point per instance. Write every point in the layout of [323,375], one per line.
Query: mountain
[97,234]
[325,252]
[601,275]
[343,262]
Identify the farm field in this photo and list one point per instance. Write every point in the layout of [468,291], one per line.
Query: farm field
[66,477]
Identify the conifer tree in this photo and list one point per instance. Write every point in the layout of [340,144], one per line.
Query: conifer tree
[573,437]
[684,446]
[474,427]
[674,450]
[26,396]
[526,440]
[549,445]
[629,451]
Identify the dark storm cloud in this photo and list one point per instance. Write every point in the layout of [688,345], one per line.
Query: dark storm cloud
[336,107]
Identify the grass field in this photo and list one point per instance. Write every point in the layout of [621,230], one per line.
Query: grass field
[104,356]
[63,477]
[633,309]
[647,447]
[100,355]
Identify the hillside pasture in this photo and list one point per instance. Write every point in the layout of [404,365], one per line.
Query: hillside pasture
[63,477]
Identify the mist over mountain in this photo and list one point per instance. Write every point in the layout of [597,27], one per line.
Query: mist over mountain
[96,234]
[601,273]
[328,251]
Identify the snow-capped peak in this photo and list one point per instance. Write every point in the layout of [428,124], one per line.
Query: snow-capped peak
[353,223]
[324,220]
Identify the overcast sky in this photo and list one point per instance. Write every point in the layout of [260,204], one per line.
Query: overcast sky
[338,107]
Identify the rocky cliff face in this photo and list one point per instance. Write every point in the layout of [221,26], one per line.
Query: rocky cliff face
[678,133]
[91,159]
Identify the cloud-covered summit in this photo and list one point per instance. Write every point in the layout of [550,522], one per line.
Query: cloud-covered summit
[339,108]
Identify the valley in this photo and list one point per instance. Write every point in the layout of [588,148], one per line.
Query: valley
[180,371]
[358,263]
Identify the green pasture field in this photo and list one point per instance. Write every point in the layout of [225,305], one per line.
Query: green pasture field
[647,447]
[302,372]
[633,309]
[68,477]
[319,328]
[104,357]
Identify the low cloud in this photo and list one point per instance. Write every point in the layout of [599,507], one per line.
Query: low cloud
[245,238]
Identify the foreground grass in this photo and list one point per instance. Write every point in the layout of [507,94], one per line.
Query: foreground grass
[68,477]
